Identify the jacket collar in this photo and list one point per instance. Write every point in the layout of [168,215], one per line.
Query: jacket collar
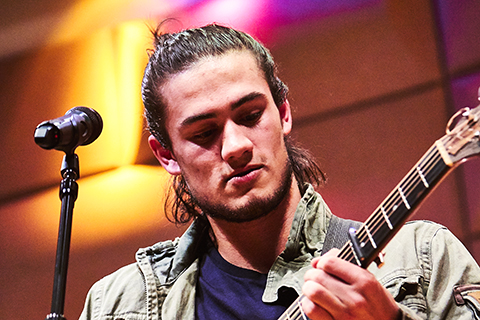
[170,258]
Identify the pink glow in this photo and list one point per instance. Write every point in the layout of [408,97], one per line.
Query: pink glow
[240,14]
[260,17]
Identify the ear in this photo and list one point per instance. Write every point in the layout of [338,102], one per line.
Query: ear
[164,156]
[286,117]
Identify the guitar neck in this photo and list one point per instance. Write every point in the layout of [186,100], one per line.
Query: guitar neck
[400,204]
[389,217]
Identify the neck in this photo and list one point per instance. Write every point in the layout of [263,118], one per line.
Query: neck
[256,244]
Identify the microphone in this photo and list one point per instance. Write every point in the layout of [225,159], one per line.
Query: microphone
[79,126]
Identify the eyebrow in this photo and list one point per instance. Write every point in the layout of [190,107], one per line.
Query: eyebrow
[247,98]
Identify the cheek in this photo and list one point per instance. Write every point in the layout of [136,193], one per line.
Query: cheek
[273,136]
[197,162]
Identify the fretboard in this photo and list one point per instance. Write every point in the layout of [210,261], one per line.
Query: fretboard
[389,217]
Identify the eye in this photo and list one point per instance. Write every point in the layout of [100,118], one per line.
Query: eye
[204,136]
[252,118]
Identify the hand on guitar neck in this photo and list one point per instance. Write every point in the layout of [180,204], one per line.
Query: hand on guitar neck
[336,288]
[353,292]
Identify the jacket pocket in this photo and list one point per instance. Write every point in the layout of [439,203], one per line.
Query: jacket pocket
[407,290]
[468,295]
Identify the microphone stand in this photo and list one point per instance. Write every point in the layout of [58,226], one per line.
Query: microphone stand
[79,126]
[68,194]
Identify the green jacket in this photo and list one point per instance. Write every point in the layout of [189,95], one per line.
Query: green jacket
[427,270]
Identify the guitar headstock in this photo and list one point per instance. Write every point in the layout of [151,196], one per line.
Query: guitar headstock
[463,135]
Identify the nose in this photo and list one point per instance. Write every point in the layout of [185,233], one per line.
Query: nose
[236,145]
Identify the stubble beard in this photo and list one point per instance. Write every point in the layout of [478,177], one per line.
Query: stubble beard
[255,209]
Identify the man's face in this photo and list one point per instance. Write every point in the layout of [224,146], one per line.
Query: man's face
[227,137]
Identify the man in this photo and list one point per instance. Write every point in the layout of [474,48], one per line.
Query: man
[220,124]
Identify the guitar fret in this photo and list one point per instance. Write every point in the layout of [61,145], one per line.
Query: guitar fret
[424,180]
[295,311]
[370,237]
[354,254]
[404,199]
[301,311]
[386,217]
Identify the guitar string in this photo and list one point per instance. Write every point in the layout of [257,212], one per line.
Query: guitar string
[429,160]
[377,220]
[390,208]
[408,187]
[395,200]
[292,311]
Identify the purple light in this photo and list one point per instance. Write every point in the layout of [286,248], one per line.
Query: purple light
[259,17]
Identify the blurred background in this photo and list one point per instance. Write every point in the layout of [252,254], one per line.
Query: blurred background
[373,84]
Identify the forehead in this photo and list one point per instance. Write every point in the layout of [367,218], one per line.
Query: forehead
[213,82]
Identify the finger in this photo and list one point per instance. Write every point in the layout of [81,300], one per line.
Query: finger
[312,310]
[347,271]
[322,277]
[331,253]
[356,285]
[334,286]
[322,297]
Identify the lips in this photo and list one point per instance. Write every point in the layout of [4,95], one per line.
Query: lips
[244,173]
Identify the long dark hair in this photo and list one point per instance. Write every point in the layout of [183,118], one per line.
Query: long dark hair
[175,52]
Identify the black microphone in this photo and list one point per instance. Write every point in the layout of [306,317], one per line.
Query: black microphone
[79,126]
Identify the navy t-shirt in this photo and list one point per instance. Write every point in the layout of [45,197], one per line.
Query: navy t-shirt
[225,291]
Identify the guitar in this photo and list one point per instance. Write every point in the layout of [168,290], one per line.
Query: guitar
[461,141]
